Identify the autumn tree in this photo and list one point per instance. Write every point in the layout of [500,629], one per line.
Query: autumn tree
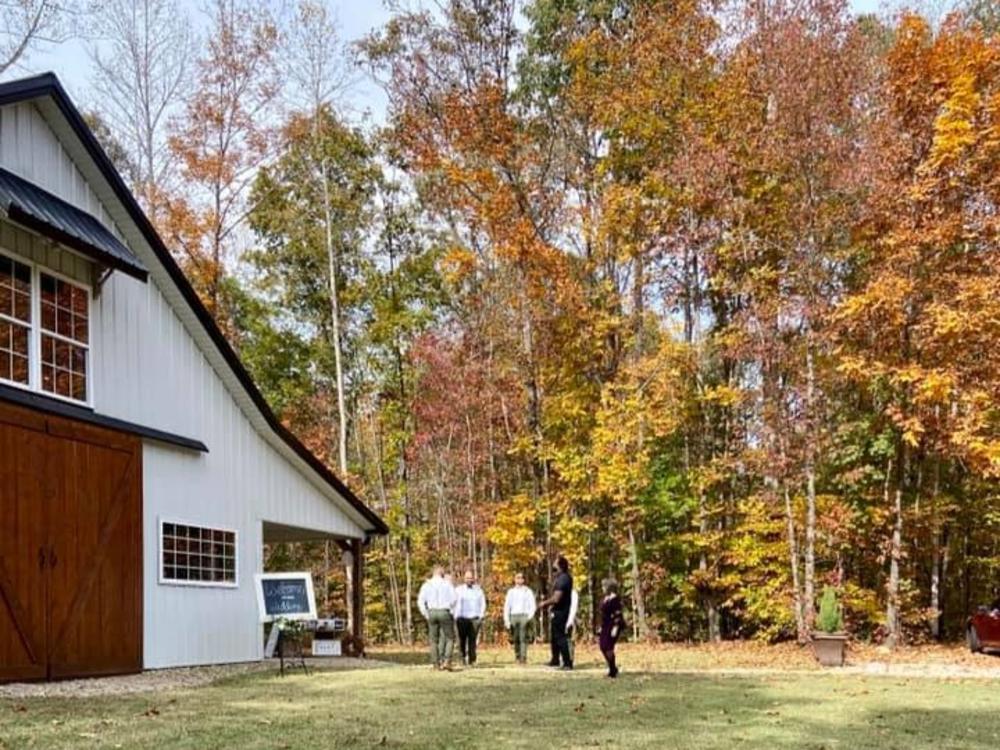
[700,296]
[926,307]
[459,131]
[312,224]
[221,140]
[143,55]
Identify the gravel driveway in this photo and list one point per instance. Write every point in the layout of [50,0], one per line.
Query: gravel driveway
[167,679]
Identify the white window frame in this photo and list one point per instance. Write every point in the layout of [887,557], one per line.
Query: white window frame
[30,325]
[35,332]
[203,525]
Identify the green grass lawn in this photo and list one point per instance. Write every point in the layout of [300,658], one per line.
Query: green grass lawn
[501,706]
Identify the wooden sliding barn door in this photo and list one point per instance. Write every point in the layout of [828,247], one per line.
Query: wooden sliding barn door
[23,551]
[71,535]
[95,580]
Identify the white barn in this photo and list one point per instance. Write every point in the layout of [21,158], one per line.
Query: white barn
[141,471]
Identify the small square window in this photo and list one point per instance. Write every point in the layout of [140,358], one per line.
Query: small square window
[193,554]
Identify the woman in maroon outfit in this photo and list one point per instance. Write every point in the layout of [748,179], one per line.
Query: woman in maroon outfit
[612,624]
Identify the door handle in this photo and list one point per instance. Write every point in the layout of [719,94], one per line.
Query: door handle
[41,558]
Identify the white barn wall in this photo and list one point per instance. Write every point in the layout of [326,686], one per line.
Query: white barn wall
[148,369]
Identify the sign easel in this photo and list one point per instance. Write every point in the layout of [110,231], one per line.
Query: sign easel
[284,596]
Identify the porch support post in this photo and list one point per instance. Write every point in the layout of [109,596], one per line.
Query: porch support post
[358,590]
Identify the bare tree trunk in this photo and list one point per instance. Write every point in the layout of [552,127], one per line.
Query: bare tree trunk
[394,603]
[470,483]
[802,632]
[937,562]
[892,616]
[390,554]
[638,599]
[408,574]
[332,270]
[809,584]
[711,611]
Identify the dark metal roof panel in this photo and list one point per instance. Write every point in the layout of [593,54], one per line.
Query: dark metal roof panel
[39,210]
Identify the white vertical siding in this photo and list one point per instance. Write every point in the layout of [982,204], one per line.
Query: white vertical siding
[30,149]
[147,368]
[37,249]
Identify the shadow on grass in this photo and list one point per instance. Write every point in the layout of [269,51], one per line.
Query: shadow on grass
[491,657]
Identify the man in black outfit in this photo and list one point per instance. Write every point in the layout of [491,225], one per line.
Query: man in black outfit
[560,600]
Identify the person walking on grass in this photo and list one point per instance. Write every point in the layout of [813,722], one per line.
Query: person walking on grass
[612,624]
[560,601]
[470,608]
[436,602]
[518,612]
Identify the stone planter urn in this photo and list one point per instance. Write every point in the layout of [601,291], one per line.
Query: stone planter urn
[829,648]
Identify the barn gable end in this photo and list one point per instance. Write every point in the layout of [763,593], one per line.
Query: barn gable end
[158,364]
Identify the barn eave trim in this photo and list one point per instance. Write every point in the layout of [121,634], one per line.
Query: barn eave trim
[58,408]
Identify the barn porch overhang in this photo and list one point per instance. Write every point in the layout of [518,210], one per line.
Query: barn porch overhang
[278,533]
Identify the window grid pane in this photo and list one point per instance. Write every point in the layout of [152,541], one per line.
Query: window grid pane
[64,309]
[15,290]
[196,554]
[14,352]
[64,368]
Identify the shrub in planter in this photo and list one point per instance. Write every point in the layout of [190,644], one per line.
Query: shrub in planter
[830,640]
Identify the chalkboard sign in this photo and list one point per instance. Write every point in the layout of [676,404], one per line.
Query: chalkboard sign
[288,595]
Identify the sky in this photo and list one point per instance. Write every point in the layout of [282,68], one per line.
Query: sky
[356,18]
[70,61]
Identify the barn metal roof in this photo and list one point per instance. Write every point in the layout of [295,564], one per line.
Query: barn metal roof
[29,205]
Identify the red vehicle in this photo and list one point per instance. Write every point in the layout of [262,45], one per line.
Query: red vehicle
[984,628]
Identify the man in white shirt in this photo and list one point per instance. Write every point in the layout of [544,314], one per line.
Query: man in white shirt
[470,608]
[518,612]
[574,604]
[436,601]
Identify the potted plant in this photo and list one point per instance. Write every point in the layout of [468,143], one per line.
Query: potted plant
[830,640]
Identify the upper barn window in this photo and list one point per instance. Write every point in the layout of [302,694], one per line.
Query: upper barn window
[44,331]
[15,321]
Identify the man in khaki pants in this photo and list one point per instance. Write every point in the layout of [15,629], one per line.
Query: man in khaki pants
[436,602]
[518,612]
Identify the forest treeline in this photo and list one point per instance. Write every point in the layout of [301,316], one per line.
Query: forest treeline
[703,295]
